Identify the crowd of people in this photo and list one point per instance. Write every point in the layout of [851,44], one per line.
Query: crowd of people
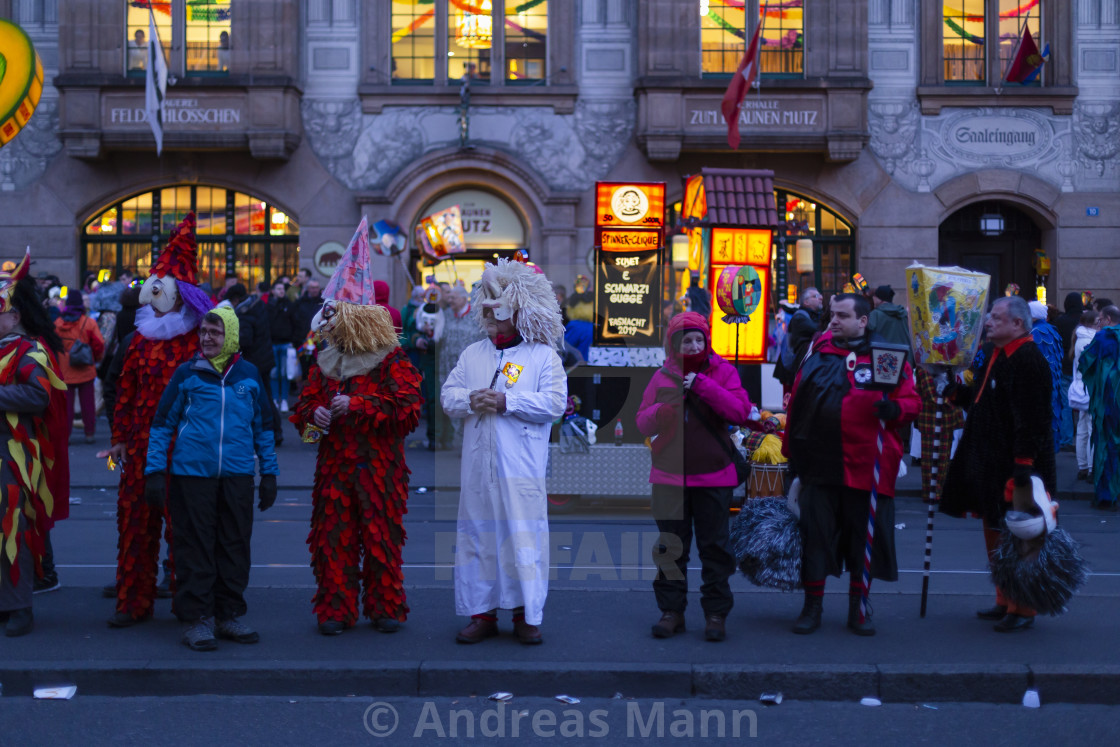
[196,386]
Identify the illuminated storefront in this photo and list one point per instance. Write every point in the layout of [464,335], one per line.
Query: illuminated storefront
[237,233]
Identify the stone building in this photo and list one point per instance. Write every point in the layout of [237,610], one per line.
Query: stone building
[887,123]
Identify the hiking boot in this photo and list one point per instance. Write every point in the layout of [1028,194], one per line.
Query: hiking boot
[859,628]
[530,635]
[669,625]
[1011,624]
[810,618]
[386,625]
[480,628]
[20,622]
[199,636]
[51,583]
[237,631]
[714,629]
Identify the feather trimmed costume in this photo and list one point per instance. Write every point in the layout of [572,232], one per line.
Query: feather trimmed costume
[34,470]
[361,478]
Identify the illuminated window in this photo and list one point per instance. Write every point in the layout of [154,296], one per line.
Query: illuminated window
[526,29]
[833,243]
[136,32]
[473,37]
[265,239]
[724,34]
[208,36]
[968,24]
[470,40]
[206,24]
[414,42]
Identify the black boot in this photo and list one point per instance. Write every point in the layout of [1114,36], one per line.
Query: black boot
[859,628]
[20,622]
[810,618]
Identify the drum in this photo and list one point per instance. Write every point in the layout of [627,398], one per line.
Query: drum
[767,480]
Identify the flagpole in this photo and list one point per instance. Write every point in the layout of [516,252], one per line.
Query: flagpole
[1014,52]
[761,31]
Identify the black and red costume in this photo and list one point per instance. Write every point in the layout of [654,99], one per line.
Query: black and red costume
[831,440]
[361,488]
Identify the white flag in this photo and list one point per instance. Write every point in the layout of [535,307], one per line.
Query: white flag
[155,87]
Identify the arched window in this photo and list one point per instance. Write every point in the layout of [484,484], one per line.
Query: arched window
[833,243]
[237,233]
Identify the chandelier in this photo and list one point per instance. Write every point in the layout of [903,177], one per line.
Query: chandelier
[476,30]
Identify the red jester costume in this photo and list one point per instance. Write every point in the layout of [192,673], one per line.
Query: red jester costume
[166,336]
[361,399]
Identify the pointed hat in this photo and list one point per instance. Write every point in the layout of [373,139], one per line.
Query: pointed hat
[352,281]
[180,258]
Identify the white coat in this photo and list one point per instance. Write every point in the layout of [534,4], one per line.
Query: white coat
[501,548]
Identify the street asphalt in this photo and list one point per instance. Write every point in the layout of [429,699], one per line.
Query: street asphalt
[597,640]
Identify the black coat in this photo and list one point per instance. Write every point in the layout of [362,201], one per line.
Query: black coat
[255,339]
[280,324]
[303,311]
[1012,419]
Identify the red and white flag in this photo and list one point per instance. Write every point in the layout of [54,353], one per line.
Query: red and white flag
[740,84]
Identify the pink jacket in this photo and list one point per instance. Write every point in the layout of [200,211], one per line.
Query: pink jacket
[686,452]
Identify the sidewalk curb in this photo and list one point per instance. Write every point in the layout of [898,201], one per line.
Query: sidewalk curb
[890,683]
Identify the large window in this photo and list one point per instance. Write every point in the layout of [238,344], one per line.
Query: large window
[724,34]
[265,240]
[484,41]
[833,243]
[205,24]
[969,24]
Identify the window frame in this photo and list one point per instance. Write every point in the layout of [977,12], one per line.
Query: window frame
[1057,89]
[174,47]
[752,6]
[210,243]
[443,32]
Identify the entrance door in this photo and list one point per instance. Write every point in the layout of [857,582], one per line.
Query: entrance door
[1007,258]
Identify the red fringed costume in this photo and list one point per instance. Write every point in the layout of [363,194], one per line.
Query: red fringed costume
[361,486]
[148,367]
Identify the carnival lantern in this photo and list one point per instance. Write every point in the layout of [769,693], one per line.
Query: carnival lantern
[21,80]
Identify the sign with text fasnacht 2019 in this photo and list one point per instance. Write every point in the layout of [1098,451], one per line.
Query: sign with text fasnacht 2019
[628,241]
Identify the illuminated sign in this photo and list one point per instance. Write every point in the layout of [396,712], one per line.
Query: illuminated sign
[741,246]
[624,241]
[627,297]
[744,342]
[630,205]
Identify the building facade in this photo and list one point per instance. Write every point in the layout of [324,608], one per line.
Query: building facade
[887,123]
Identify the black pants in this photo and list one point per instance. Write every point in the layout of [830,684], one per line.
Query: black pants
[47,563]
[678,512]
[212,523]
[834,525]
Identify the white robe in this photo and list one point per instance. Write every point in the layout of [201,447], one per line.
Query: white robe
[501,548]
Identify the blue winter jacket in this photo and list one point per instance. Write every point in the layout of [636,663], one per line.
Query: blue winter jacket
[219,422]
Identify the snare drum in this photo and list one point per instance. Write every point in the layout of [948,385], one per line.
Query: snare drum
[767,480]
